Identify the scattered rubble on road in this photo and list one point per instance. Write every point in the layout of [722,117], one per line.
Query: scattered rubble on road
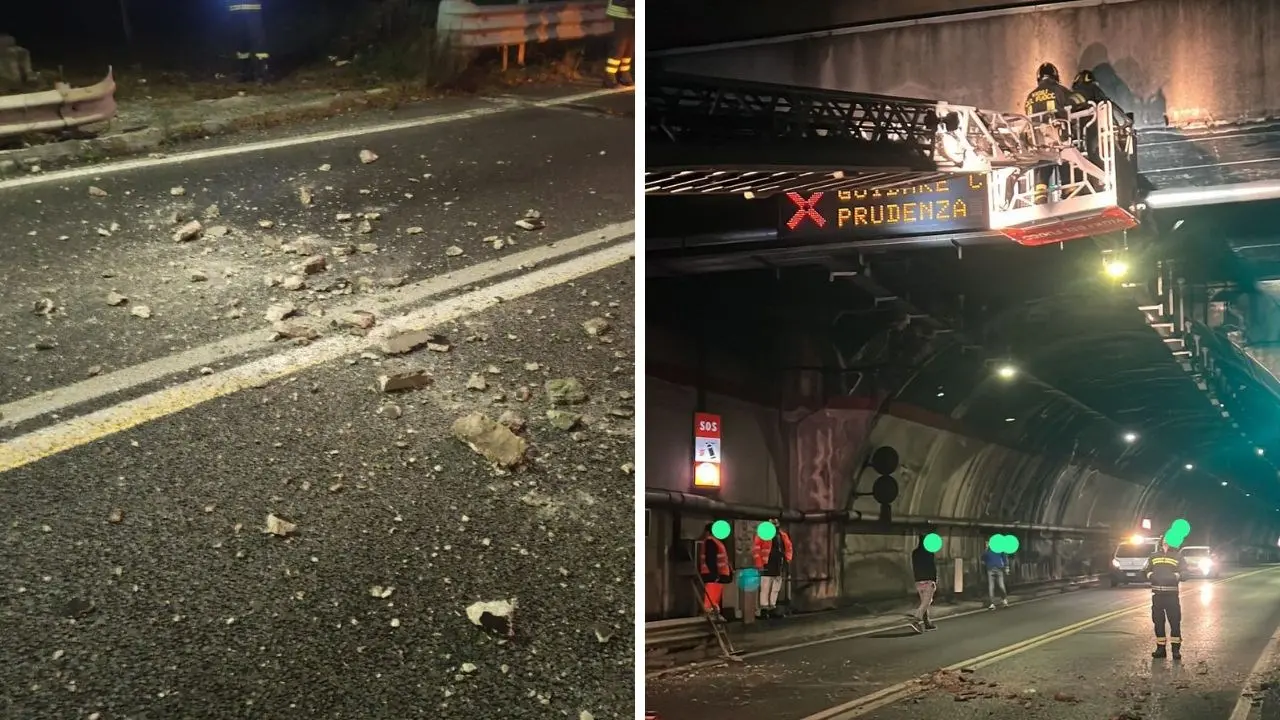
[368,156]
[531,221]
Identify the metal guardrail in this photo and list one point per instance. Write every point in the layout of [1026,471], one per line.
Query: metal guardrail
[61,108]
[465,25]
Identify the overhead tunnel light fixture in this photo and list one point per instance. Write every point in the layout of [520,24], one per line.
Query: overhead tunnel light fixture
[1115,269]
[1260,451]
[1009,420]
[1189,466]
[1224,483]
[1006,371]
[1130,437]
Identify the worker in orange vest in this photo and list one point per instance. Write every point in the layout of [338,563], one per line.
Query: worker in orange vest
[772,558]
[715,570]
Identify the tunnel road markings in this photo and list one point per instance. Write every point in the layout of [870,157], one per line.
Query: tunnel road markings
[895,693]
[40,444]
[58,399]
[496,106]
[1266,664]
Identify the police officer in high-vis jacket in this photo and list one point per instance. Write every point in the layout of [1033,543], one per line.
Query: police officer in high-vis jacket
[618,70]
[251,38]
[1164,572]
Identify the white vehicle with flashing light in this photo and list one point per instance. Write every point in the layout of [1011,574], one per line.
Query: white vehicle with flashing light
[1130,558]
[1200,561]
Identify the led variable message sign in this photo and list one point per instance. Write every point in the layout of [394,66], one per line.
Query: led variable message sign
[957,204]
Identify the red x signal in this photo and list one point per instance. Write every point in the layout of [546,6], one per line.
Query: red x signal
[805,209]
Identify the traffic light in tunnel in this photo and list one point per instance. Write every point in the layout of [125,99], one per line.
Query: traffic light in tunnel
[884,490]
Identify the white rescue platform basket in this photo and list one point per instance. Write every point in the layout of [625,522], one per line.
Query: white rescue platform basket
[1083,160]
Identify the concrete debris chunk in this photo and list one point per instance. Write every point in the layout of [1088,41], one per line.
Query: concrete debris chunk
[364,227]
[453,251]
[440,347]
[266,224]
[44,306]
[295,330]
[512,420]
[188,232]
[95,191]
[368,156]
[178,191]
[362,319]
[410,380]
[477,382]
[391,411]
[280,311]
[494,442]
[311,266]
[565,391]
[343,217]
[103,232]
[379,591]
[217,231]
[371,215]
[563,419]
[197,276]
[211,212]
[93,371]
[399,342]
[495,616]
[116,516]
[293,282]
[279,526]
[325,167]
[304,195]
[343,250]
[531,221]
[141,311]
[415,230]
[596,327]
[367,248]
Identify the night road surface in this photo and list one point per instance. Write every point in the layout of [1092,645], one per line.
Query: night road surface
[1007,669]
[139,580]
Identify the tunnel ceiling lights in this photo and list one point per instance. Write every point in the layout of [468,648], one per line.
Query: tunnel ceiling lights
[1006,371]
[1130,437]
[1009,420]
[1189,466]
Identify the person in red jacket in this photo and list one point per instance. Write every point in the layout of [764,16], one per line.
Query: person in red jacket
[772,558]
[714,568]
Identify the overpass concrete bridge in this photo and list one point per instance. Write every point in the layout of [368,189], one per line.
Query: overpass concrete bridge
[1150,396]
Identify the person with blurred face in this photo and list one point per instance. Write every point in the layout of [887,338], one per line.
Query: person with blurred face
[924,567]
[1164,570]
[772,557]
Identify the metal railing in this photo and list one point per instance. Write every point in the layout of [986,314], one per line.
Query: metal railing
[61,108]
[464,25]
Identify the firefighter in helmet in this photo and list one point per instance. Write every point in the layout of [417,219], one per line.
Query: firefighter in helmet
[618,70]
[1049,98]
[250,39]
[1086,86]
[1164,570]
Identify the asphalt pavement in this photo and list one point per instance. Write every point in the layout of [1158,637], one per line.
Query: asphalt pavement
[438,198]
[1041,659]
[298,543]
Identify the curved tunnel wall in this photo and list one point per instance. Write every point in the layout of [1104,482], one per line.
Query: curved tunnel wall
[1187,60]
[801,443]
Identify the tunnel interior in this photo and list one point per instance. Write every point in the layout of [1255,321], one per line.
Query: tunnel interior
[1099,427]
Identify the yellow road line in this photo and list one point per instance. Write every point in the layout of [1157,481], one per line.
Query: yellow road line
[894,693]
[40,444]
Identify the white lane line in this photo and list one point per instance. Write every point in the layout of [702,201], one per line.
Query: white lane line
[124,379]
[40,444]
[502,106]
[1267,662]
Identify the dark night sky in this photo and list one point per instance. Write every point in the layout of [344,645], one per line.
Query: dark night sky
[167,33]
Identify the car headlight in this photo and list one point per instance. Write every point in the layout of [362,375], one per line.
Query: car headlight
[1115,563]
[1205,565]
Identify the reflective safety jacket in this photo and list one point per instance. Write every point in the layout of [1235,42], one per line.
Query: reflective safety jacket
[1164,571]
[1088,89]
[1051,96]
[713,561]
[621,9]
[762,553]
